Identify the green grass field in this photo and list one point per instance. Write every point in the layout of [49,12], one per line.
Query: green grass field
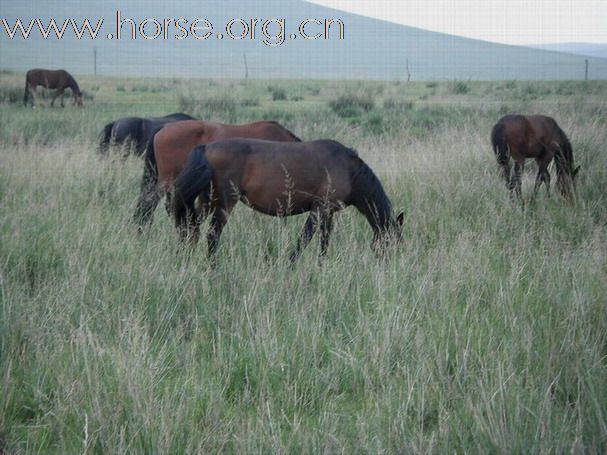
[485,332]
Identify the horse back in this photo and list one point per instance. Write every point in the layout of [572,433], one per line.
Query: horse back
[523,136]
[47,78]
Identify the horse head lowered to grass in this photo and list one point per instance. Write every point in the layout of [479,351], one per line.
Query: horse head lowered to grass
[323,177]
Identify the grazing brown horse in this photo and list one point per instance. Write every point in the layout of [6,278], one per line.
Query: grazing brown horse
[533,136]
[281,179]
[170,146]
[52,79]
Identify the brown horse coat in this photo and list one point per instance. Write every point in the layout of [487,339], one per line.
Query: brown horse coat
[533,136]
[51,79]
[169,149]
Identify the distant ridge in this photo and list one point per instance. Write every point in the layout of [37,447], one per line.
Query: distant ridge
[372,49]
[596,50]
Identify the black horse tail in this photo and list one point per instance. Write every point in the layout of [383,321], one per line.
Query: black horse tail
[194,178]
[105,137]
[500,146]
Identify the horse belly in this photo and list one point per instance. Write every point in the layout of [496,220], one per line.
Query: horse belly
[278,204]
[274,196]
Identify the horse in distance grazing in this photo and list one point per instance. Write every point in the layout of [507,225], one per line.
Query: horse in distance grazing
[51,79]
[323,177]
[539,137]
[168,151]
[135,131]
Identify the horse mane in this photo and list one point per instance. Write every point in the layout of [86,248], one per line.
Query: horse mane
[290,133]
[567,150]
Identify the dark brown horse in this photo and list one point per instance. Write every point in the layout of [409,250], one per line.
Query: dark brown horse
[280,179]
[52,79]
[533,136]
[135,131]
[170,146]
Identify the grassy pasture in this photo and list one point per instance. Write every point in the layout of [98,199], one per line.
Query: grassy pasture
[486,332]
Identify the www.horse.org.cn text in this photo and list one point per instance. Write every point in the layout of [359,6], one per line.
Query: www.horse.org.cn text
[270,32]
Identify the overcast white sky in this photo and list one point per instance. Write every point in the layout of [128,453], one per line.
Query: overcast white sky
[503,21]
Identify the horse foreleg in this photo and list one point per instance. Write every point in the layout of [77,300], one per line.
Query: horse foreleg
[543,176]
[62,93]
[305,237]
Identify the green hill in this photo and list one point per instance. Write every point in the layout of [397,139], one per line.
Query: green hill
[371,49]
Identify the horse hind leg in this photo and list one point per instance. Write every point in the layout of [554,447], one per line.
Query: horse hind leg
[219,218]
[58,93]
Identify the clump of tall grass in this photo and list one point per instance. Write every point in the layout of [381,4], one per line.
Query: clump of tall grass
[460,87]
[224,107]
[278,93]
[352,104]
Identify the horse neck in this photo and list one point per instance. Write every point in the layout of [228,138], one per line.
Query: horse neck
[371,200]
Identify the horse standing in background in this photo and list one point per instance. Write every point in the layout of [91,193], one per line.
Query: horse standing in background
[281,179]
[168,151]
[534,136]
[51,79]
[135,130]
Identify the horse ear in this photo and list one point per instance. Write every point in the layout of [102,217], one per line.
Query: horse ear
[400,218]
[576,171]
